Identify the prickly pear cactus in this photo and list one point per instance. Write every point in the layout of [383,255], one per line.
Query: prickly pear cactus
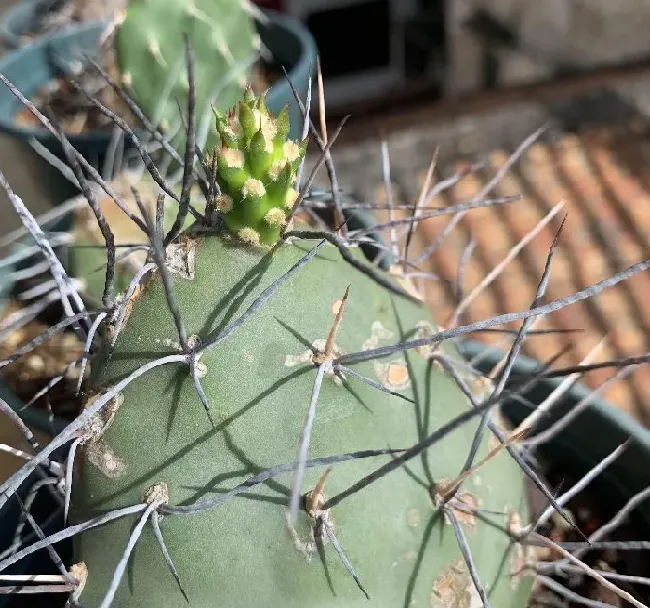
[155,444]
[149,54]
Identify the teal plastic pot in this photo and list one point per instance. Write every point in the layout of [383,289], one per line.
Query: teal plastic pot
[592,435]
[6,283]
[31,67]
[15,22]
[51,56]
[20,19]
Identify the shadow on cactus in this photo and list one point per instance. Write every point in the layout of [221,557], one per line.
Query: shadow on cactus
[272,420]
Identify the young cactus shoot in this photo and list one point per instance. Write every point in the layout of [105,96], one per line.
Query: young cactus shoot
[256,170]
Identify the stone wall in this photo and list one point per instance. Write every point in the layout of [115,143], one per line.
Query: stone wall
[552,34]
[465,137]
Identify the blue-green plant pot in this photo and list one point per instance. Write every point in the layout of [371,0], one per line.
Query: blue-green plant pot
[54,55]
[590,436]
[19,20]
[15,22]
[6,284]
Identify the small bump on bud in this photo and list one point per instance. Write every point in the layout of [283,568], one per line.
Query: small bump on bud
[234,125]
[291,150]
[275,217]
[253,189]
[266,124]
[224,203]
[249,94]
[248,235]
[290,198]
[276,169]
[282,125]
[260,145]
[233,159]
[228,137]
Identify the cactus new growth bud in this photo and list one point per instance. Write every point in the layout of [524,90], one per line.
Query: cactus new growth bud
[256,169]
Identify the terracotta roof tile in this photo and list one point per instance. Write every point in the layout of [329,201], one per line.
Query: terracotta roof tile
[607,197]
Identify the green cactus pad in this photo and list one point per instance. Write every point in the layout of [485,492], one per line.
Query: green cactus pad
[150,54]
[259,383]
[256,170]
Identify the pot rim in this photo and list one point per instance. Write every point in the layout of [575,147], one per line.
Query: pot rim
[289,25]
[589,437]
[15,16]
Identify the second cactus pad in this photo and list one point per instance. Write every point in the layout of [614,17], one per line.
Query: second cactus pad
[150,54]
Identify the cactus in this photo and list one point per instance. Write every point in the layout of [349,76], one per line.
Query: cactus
[149,54]
[273,421]
[257,386]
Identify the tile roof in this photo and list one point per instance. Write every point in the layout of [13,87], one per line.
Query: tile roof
[603,177]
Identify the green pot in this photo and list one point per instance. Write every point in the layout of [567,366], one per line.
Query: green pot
[592,435]
[19,20]
[31,67]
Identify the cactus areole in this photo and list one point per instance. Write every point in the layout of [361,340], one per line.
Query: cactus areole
[244,551]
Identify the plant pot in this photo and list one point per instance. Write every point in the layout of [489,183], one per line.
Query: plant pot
[15,22]
[42,510]
[6,282]
[34,66]
[56,54]
[19,20]
[592,435]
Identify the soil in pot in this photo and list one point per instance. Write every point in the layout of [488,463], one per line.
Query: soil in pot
[52,15]
[590,510]
[47,362]
[71,109]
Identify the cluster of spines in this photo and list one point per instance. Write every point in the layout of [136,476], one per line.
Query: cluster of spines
[256,169]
